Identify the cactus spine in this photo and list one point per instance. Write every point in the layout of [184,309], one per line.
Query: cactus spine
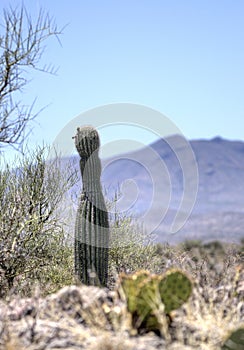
[92,227]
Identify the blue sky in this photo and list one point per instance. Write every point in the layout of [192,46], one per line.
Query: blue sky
[184,58]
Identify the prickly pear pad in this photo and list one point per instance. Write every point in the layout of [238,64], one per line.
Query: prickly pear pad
[175,289]
[235,340]
[131,287]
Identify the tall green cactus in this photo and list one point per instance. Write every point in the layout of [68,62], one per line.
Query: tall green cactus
[92,227]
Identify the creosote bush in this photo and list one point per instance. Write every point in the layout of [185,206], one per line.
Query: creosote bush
[32,237]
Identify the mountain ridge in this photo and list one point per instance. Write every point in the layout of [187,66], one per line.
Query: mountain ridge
[220,164]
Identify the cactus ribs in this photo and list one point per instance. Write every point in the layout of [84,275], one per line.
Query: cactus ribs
[92,226]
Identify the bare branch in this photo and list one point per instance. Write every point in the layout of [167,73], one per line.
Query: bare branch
[21,50]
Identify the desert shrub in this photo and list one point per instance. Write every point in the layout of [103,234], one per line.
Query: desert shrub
[50,277]
[32,237]
[131,248]
[188,245]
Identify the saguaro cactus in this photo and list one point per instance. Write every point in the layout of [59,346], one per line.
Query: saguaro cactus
[92,227]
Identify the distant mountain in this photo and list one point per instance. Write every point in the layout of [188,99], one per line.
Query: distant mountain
[147,176]
[221,173]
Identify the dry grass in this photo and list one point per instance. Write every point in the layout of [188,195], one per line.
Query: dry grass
[105,342]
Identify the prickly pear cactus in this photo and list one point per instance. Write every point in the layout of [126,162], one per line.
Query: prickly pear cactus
[148,296]
[235,340]
[92,227]
[175,288]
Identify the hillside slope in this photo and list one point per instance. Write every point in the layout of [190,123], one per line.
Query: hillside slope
[148,177]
